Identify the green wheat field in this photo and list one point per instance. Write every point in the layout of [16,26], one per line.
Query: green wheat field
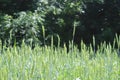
[55,63]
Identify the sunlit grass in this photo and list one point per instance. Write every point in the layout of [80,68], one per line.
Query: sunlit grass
[48,63]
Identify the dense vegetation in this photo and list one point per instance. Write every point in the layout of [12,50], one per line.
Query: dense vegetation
[65,20]
[35,24]
[48,63]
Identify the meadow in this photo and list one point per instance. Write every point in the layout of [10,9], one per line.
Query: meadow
[55,63]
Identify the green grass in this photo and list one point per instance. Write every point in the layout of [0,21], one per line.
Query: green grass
[46,63]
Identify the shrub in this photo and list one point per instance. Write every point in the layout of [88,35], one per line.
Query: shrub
[27,27]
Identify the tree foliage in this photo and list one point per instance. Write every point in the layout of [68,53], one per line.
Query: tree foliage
[40,20]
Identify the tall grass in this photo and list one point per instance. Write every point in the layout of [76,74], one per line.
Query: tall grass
[48,63]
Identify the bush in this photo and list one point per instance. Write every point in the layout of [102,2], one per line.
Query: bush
[60,17]
[27,26]
[5,27]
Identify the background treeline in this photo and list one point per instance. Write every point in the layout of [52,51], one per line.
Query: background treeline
[60,21]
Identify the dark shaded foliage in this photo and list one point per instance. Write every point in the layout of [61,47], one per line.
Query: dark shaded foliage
[101,20]
[13,6]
